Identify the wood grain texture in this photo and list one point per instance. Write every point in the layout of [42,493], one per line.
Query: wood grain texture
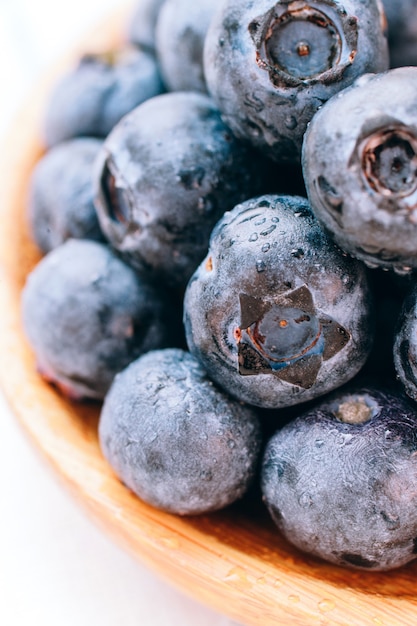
[234,560]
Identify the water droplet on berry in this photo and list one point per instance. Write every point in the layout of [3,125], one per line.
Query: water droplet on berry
[260,266]
[291,122]
[305,500]
[298,253]
[402,270]
[373,266]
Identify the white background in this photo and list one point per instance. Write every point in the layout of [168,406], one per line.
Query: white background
[56,566]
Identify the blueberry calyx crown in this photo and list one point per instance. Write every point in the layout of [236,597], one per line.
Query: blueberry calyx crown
[287,337]
[299,41]
[355,408]
[389,163]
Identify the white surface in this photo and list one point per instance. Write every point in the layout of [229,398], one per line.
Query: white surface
[56,566]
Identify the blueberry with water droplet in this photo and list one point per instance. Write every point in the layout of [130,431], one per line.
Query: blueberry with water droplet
[360,169]
[339,479]
[206,452]
[290,332]
[164,176]
[280,60]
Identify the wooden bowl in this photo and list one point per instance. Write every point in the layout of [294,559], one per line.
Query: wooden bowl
[234,560]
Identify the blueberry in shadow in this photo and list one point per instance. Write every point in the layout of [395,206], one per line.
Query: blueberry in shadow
[181,29]
[174,439]
[360,168]
[275,312]
[388,299]
[165,175]
[270,65]
[402,31]
[339,480]
[87,315]
[141,23]
[405,344]
[61,197]
[95,94]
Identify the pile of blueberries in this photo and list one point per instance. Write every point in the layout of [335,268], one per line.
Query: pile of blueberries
[227,211]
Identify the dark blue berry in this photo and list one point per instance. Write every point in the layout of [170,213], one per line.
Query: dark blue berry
[61,196]
[275,312]
[166,174]
[339,480]
[360,168]
[140,27]
[270,65]
[180,33]
[405,344]
[174,439]
[92,97]
[87,315]
[402,31]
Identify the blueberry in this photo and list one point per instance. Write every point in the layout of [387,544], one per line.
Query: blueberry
[166,174]
[402,31]
[275,312]
[174,439]
[87,315]
[60,204]
[339,480]
[270,65]
[360,168]
[140,27]
[405,344]
[180,33]
[94,95]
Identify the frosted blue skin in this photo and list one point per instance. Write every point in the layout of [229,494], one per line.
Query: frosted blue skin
[181,29]
[402,31]
[87,315]
[92,97]
[275,312]
[267,102]
[339,480]
[140,27]
[174,439]
[165,175]
[61,195]
[359,163]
